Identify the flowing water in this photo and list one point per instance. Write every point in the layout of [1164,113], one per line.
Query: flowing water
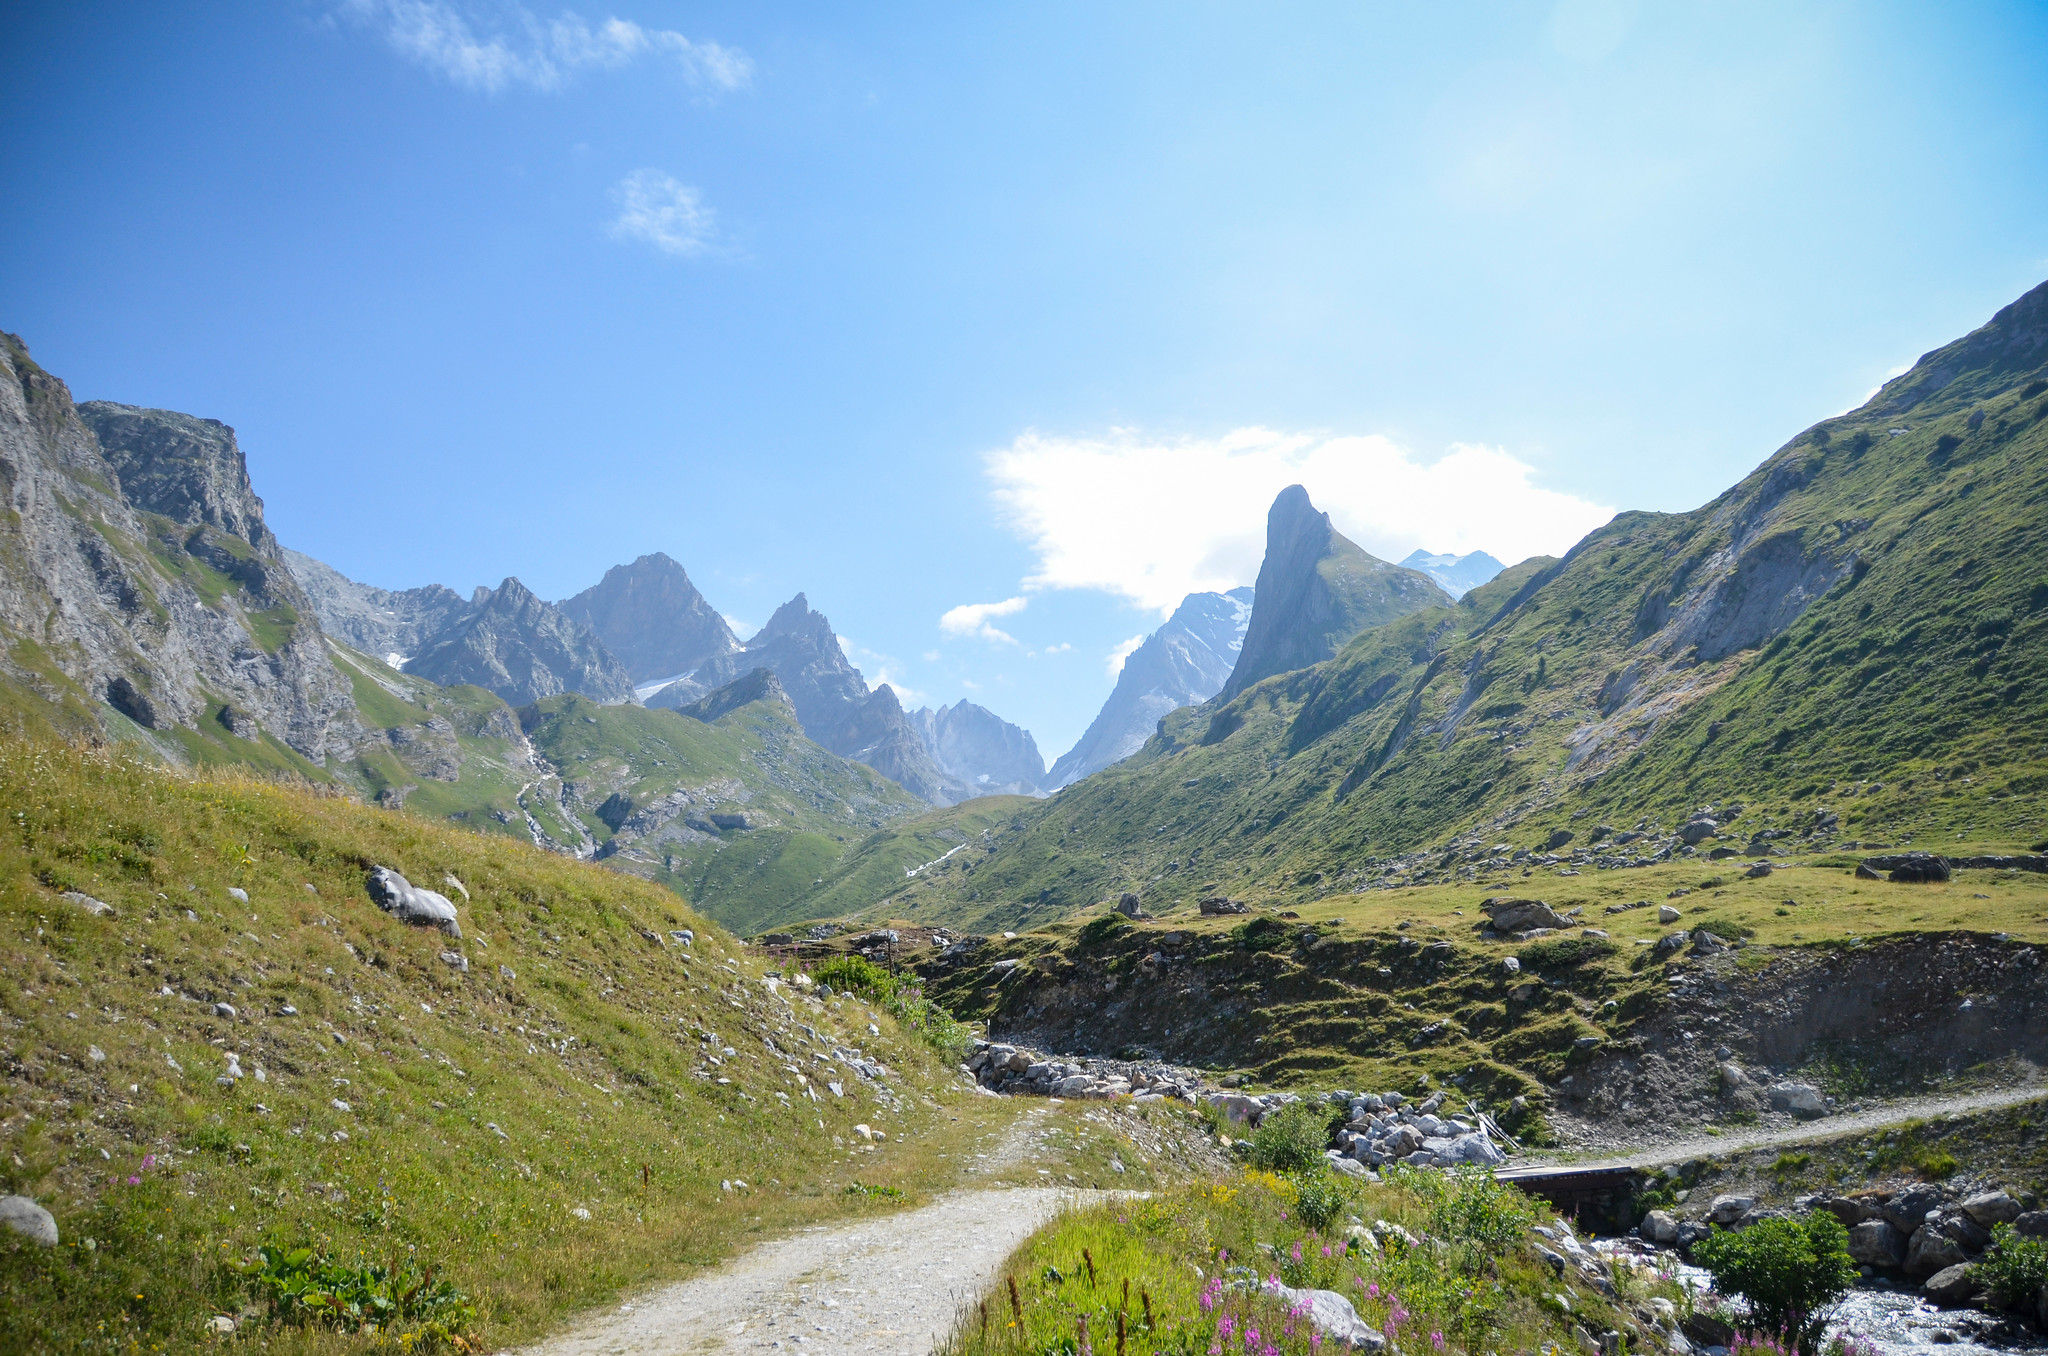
[1887,1319]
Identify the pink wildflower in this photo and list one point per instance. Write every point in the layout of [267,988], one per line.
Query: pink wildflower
[134,1181]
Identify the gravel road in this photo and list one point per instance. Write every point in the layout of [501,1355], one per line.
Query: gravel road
[890,1284]
[1827,1127]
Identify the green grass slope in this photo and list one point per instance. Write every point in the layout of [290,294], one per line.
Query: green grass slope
[543,1128]
[1851,645]
[742,815]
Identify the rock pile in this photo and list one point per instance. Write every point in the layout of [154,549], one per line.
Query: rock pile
[1014,1070]
[1384,1129]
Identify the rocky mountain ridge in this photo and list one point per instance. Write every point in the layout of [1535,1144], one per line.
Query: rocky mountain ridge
[145,596]
[980,749]
[1316,590]
[1183,663]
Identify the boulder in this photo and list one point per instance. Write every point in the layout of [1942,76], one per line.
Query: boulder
[1669,944]
[1127,905]
[1951,1285]
[1803,1100]
[1733,1079]
[1757,871]
[1331,1315]
[1973,1236]
[1707,944]
[407,902]
[1074,1085]
[1863,872]
[1728,1209]
[1520,915]
[1660,1227]
[1220,905]
[1908,1210]
[1875,1243]
[1847,1209]
[1992,1207]
[28,1219]
[98,907]
[1239,1109]
[1921,868]
[2032,1224]
[1666,914]
[1930,1250]
[1697,831]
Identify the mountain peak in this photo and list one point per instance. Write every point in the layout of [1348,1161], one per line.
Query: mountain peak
[1459,575]
[1316,590]
[653,618]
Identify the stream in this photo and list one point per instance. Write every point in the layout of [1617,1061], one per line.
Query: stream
[1882,1317]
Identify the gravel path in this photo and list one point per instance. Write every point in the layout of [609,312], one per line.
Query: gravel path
[1828,1127]
[891,1284]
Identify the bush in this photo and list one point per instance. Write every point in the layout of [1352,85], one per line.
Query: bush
[1564,952]
[1320,1196]
[308,1287]
[1293,1138]
[1792,1271]
[1264,934]
[2014,1269]
[900,997]
[1096,931]
[1470,1210]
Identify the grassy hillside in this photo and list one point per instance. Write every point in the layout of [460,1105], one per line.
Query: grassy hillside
[542,1128]
[1851,645]
[1376,990]
[740,815]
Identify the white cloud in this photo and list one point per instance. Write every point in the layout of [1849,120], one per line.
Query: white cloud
[489,46]
[742,629]
[1064,647]
[1153,521]
[664,212]
[971,619]
[1122,652]
[1901,370]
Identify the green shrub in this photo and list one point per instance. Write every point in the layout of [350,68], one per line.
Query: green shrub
[1470,1210]
[1263,934]
[1293,1138]
[1320,1197]
[305,1287]
[901,997]
[1792,1272]
[2014,1269]
[1096,931]
[1561,953]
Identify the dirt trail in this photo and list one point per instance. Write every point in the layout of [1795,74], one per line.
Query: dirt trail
[1828,1127]
[891,1284]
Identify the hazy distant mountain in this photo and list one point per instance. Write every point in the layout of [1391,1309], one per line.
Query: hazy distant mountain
[980,748]
[391,624]
[1458,574]
[1184,662]
[1316,591]
[831,698]
[522,648]
[653,619]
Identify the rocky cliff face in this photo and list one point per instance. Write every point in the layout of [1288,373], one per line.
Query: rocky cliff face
[392,624]
[653,618]
[974,745]
[831,700]
[523,649]
[1316,590]
[142,590]
[1458,575]
[1185,662]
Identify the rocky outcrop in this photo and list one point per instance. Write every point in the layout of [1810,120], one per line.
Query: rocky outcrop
[523,649]
[653,618]
[974,745]
[170,606]
[1183,663]
[1317,590]
[1458,575]
[391,624]
[831,698]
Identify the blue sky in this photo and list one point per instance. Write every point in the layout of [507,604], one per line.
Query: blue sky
[923,308]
